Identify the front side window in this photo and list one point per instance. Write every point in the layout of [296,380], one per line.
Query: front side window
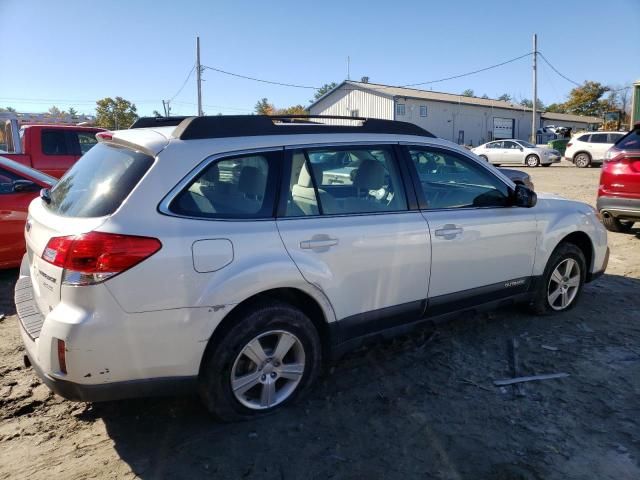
[614,137]
[54,142]
[235,187]
[6,181]
[449,180]
[511,145]
[342,181]
[400,109]
[599,138]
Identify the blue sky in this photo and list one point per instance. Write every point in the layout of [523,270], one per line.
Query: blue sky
[71,53]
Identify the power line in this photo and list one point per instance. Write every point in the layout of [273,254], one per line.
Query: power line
[259,79]
[556,70]
[468,73]
[183,83]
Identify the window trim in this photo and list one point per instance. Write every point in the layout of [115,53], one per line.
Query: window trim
[398,157]
[164,205]
[417,186]
[426,111]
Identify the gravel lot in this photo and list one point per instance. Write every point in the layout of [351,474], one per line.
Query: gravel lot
[422,406]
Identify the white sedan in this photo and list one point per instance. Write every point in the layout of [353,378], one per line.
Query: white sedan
[516,152]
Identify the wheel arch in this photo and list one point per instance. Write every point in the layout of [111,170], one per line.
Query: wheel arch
[581,240]
[578,153]
[293,296]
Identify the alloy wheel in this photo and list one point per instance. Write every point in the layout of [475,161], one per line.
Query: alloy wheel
[268,369]
[563,284]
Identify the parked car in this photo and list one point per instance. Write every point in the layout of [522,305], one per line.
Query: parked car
[588,149]
[51,149]
[516,152]
[18,186]
[148,273]
[518,177]
[619,190]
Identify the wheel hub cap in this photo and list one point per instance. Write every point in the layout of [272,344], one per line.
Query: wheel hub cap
[563,284]
[268,369]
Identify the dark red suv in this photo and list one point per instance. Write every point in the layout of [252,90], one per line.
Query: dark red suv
[619,191]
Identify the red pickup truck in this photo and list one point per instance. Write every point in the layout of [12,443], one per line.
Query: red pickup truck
[52,149]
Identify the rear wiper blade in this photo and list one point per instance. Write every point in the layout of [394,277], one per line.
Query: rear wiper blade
[45,194]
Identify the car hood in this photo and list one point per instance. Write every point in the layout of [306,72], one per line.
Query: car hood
[555,201]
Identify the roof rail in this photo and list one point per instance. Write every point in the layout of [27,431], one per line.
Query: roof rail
[145,122]
[222,126]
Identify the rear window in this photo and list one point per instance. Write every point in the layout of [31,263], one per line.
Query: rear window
[631,141]
[99,182]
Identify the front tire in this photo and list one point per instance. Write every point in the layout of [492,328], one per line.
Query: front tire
[582,160]
[268,359]
[484,157]
[562,281]
[532,161]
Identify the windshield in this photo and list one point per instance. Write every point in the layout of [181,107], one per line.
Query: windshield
[99,182]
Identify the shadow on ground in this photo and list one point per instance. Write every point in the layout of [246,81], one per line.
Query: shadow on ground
[424,406]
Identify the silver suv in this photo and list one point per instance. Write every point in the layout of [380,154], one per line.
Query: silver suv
[234,255]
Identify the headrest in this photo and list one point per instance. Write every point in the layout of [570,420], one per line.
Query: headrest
[212,175]
[370,175]
[252,181]
[304,179]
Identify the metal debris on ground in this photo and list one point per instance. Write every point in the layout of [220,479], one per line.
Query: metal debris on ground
[532,378]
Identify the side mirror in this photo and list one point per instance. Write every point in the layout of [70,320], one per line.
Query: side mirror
[25,186]
[524,197]
[521,149]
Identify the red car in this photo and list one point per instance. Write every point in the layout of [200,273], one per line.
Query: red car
[18,186]
[619,191]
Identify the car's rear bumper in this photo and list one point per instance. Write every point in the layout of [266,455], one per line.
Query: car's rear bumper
[623,208]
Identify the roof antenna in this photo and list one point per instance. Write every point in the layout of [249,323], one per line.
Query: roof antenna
[348,67]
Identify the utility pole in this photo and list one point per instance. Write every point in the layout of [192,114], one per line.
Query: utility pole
[534,127]
[198,76]
[348,68]
[167,108]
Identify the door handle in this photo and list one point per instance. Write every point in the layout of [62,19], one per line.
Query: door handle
[318,243]
[449,231]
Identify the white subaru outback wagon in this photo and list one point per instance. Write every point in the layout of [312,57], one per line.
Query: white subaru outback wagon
[233,255]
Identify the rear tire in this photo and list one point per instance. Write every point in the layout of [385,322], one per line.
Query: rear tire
[559,288]
[532,161]
[248,355]
[582,160]
[612,224]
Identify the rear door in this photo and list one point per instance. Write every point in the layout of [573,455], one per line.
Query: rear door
[357,241]
[598,146]
[494,152]
[481,248]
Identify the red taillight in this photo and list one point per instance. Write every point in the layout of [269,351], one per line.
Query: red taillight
[102,136]
[569,144]
[95,256]
[62,356]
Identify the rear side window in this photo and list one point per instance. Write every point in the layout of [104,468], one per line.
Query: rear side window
[631,141]
[236,188]
[54,142]
[99,182]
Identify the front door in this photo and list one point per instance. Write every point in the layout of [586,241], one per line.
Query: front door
[356,240]
[481,248]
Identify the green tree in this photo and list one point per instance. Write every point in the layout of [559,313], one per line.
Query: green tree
[263,107]
[467,93]
[485,96]
[505,97]
[157,114]
[55,111]
[115,113]
[7,109]
[324,89]
[526,102]
[586,99]
[294,110]
[73,112]
[556,108]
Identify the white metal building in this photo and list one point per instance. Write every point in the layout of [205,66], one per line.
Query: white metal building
[464,120]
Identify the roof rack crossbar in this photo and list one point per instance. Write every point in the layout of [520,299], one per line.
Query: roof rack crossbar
[146,122]
[224,126]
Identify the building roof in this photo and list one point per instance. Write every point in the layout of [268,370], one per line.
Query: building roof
[414,93]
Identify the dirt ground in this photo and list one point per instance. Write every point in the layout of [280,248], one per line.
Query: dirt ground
[422,406]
